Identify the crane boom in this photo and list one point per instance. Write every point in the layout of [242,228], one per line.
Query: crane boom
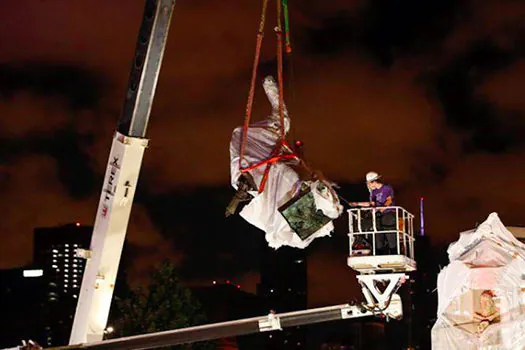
[121,177]
[271,322]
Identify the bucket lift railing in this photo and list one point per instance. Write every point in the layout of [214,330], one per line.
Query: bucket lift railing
[403,229]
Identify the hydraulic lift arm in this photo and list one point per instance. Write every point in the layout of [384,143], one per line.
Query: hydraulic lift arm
[121,177]
[272,322]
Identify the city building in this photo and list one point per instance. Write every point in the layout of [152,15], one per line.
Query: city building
[54,254]
[21,300]
[283,288]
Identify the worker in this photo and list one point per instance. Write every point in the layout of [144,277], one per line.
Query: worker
[381,197]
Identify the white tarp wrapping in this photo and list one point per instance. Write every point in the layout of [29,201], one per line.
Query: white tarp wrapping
[283,181]
[481,303]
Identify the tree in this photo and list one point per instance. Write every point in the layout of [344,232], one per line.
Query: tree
[166,304]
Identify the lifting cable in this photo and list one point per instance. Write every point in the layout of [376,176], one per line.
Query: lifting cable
[288,45]
[249,105]
[276,154]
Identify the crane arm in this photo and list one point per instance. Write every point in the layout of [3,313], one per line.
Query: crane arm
[121,177]
[271,322]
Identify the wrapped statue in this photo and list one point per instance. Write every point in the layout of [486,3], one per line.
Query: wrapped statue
[286,200]
[481,299]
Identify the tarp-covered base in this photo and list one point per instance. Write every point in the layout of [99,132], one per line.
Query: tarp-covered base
[481,299]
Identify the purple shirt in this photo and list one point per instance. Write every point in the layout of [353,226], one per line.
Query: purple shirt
[379,196]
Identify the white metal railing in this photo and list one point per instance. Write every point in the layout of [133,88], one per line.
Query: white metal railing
[404,228]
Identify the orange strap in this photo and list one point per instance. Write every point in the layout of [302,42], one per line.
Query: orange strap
[277,154]
[251,93]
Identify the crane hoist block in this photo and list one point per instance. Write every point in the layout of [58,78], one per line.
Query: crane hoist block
[302,214]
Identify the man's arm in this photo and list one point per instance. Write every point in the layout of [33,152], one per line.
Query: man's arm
[388,202]
[363,204]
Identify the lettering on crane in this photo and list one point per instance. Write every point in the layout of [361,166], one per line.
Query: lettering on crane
[128,186]
[110,187]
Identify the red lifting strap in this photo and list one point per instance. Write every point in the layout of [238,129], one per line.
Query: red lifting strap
[277,153]
[251,93]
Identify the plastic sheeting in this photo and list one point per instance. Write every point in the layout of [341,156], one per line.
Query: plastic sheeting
[481,299]
[283,181]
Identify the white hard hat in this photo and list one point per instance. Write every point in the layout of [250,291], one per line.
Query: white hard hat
[372,176]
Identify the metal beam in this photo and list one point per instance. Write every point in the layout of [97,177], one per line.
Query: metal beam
[239,327]
[145,68]
[121,178]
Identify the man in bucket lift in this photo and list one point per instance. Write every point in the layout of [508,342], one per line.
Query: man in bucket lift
[381,196]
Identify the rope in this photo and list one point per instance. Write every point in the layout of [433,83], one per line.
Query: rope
[277,153]
[249,104]
[279,33]
[288,45]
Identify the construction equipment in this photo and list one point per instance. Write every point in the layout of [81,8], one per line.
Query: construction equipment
[114,209]
[121,177]
[383,303]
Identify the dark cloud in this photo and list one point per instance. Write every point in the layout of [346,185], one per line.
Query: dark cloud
[80,88]
[385,31]
[484,126]
[193,220]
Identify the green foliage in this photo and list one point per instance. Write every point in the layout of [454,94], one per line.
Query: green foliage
[166,304]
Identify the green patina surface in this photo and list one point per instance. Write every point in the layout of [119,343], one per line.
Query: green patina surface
[302,215]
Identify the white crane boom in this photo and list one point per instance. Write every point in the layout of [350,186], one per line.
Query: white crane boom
[121,177]
[272,322]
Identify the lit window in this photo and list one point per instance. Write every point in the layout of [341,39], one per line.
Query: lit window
[66,245]
[75,286]
[55,251]
[75,296]
[55,267]
[271,290]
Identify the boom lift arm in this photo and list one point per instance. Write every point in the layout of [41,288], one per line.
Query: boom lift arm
[121,177]
[390,307]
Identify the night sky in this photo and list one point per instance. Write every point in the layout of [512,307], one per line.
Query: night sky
[428,93]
